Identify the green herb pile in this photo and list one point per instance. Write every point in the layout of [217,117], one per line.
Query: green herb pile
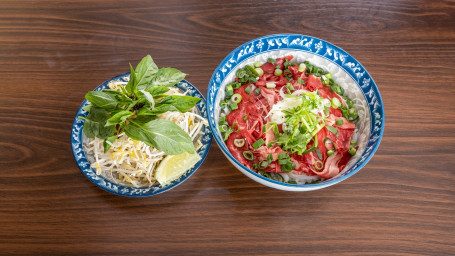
[134,108]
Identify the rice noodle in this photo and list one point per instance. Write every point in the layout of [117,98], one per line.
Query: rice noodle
[132,163]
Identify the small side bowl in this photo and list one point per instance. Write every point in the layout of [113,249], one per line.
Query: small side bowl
[105,184]
[340,63]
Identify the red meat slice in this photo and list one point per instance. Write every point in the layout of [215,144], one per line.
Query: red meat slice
[268,68]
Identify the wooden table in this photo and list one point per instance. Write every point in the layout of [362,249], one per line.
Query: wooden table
[53,52]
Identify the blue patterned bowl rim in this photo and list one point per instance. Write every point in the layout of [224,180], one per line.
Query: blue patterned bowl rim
[322,49]
[103,183]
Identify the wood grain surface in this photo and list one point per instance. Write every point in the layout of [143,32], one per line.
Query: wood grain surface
[53,52]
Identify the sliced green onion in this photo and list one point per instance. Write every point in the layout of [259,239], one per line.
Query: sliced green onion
[339,122]
[226,135]
[263,164]
[239,142]
[258,143]
[223,128]
[259,71]
[300,80]
[252,70]
[233,106]
[326,111]
[352,150]
[318,153]
[248,90]
[331,129]
[290,87]
[229,94]
[269,158]
[248,155]
[245,117]
[328,75]
[270,85]
[353,142]
[283,161]
[229,87]
[283,156]
[236,85]
[222,120]
[257,91]
[349,102]
[352,111]
[278,72]
[238,127]
[257,64]
[309,150]
[236,98]
[240,73]
[302,67]
[271,60]
[336,103]
[318,165]
[330,152]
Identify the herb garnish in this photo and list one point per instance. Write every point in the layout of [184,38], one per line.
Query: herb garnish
[134,108]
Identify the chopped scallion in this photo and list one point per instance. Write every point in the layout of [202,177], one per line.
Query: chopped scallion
[259,71]
[236,98]
[270,85]
[352,150]
[233,106]
[239,142]
[248,155]
[335,102]
[258,143]
[318,165]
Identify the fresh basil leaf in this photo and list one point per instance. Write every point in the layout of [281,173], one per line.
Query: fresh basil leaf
[166,77]
[157,90]
[106,145]
[160,110]
[145,71]
[87,107]
[94,125]
[102,99]
[181,103]
[331,129]
[130,86]
[144,118]
[162,134]
[148,97]
[119,118]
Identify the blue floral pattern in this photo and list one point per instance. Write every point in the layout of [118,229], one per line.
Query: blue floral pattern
[317,47]
[90,173]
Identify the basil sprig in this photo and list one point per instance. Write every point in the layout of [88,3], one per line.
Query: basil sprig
[134,108]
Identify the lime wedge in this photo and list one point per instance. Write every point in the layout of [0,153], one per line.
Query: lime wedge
[174,166]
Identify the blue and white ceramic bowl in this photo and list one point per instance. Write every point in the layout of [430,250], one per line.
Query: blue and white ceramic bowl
[347,72]
[90,173]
